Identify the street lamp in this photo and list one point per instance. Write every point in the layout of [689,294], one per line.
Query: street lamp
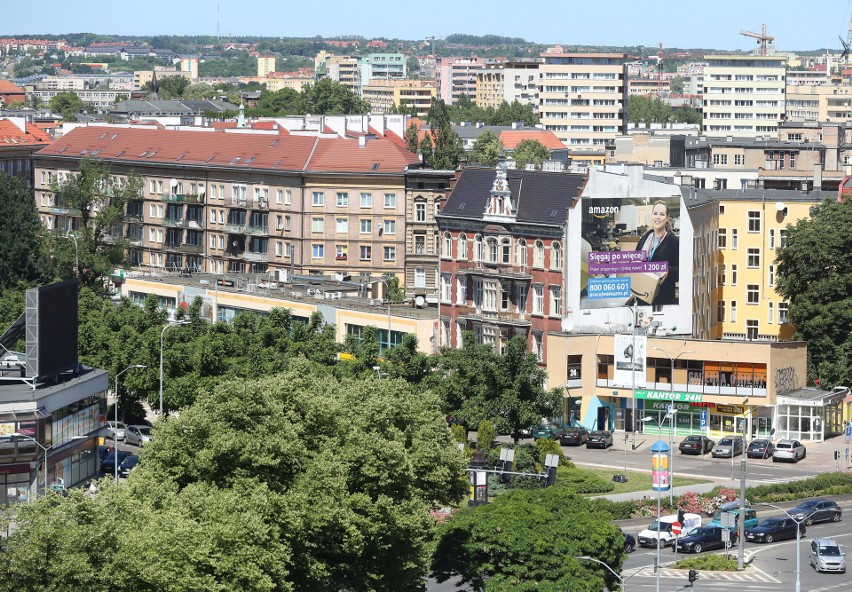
[162,335]
[45,449]
[378,370]
[798,545]
[76,254]
[115,450]
[672,416]
[612,571]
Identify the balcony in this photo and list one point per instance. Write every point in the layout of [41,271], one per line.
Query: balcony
[257,230]
[63,211]
[134,218]
[188,248]
[183,198]
[173,222]
[494,270]
[236,228]
[253,256]
[501,318]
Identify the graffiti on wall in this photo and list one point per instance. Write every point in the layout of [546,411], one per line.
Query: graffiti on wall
[786,380]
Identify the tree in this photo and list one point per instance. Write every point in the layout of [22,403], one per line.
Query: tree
[172,87]
[687,114]
[676,85]
[647,110]
[66,103]
[443,150]
[411,136]
[814,277]
[328,97]
[526,540]
[199,91]
[530,152]
[20,230]
[486,149]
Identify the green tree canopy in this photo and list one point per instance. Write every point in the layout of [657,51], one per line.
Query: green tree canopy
[647,110]
[526,540]
[530,152]
[442,146]
[676,85]
[66,103]
[20,230]
[172,87]
[487,149]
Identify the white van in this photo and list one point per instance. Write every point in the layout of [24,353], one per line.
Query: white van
[648,537]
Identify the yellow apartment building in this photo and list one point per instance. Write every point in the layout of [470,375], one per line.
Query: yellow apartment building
[265,65]
[386,94]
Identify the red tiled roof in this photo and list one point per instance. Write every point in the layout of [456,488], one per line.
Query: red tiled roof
[220,125]
[511,138]
[232,150]
[11,134]
[265,125]
[8,87]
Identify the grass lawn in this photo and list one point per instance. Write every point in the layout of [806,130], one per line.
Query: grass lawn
[636,480]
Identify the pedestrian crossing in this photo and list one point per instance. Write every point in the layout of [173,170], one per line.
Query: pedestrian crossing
[751,574]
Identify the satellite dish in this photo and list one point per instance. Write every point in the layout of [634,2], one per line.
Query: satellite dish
[173,183]
[780,206]
[419,301]
[202,189]
[567,324]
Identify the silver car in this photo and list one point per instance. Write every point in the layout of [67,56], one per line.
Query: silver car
[116,430]
[137,434]
[789,450]
[825,555]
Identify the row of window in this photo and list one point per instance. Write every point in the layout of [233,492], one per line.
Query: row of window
[723,275]
[753,253]
[499,250]
[722,307]
[496,296]
[318,200]
[341,252]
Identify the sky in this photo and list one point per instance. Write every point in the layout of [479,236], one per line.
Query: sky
[796,25]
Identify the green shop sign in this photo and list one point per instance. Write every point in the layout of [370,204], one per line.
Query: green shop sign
[668,396]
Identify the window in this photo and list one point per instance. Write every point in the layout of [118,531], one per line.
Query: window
[522,298]
[279,250]
[489,296]
[537,346]
[477,293]
[419,244]
[279,197]
[461,290]
[783,312]
[419,212]
[720,311]
[720,159]
[733,274]
[734,241]
[782,237]
[733,311]
[770,310]
[492,250]
[721,278]
[555,301]
[341,226]
[505,296]
[212,242]
[446,287]
[506,251]
[771,276]
[754,221]
[366,226]
[538,254]
[522,253]
[462,254]
[477,248]
[390,201]
[342,199]
[287,223]
[366,200]
[317,225]
[366,253]
[752,293]
[723,238]
[317,251]
[447,246]
[739,159]
[752,327]
[538,299]
[319,198]
[288,197]
[771,238]
[390,226]
[556,256]
[390,253]
[340,252]
[419,277]
[753,258]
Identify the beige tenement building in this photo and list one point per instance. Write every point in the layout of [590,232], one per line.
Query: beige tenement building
[583,97]
[384,94]
[744,95]
[265,65]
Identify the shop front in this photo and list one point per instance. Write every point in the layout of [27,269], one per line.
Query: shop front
[810,415]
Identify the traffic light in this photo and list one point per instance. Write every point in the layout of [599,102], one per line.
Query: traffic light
[836,455]
[693,575]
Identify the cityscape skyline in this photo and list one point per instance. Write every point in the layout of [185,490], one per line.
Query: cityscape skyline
[633,24]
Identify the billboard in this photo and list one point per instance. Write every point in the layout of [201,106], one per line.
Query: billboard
[629,357]
[629,252]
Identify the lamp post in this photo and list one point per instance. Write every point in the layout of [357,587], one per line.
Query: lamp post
[162,335]
[672,416]
[743,472]
[115,450]
[44,449]
[798,545]
[73,237]
[612,571]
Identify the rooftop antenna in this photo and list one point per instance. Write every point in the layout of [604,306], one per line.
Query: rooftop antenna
[217,21]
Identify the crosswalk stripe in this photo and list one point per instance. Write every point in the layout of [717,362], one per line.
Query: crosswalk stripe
[753,575]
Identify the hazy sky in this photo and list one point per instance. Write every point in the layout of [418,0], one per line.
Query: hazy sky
[796,25]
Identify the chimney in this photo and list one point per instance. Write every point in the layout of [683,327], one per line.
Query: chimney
[362,141]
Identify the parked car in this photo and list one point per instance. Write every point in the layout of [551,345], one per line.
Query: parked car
[137,434]
[128,464]
[705,538]
[663,530]
[116,430]
[574,436]
[760,448]
[599,439]
[817,510]
[773,529]
[629,542]
[728,447]
[549,428]
[696,445]
[825,555]
[790,450]
[734,508]
[108,462]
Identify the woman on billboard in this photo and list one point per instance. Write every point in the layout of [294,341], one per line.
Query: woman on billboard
[662,244]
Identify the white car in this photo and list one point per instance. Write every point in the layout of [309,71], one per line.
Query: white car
[791,450]
[662,535]
[137,434]
[115,430]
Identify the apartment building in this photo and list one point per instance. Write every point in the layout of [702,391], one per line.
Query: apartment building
[245,202]
[144,77]
[383,66]
[19,139]
[344,70]
[507,82]
[826,103]
[583,97]
[265,65]
[502,250]
[383,95]
[457,77]
[744,95]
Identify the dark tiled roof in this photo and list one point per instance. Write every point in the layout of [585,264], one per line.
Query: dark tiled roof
[542,197]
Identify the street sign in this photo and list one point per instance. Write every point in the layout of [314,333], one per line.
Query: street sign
[703,419]
[848,433]
[676,526]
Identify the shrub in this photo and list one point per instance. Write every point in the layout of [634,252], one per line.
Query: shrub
[710,562]
[582,481]
[616,510]
[485,434]
[547,446]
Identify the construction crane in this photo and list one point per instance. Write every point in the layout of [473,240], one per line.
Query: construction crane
[660,72]
[763,40]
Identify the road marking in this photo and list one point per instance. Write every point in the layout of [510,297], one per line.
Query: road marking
[752,574]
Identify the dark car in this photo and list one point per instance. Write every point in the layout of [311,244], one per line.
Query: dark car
[574,436]
[108,462]
[704,538]
[817,510]
[599,439]
[696,445]
[128,464]
[728,447]
[760,448]
[773,529]
[549,429]
[629,542]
